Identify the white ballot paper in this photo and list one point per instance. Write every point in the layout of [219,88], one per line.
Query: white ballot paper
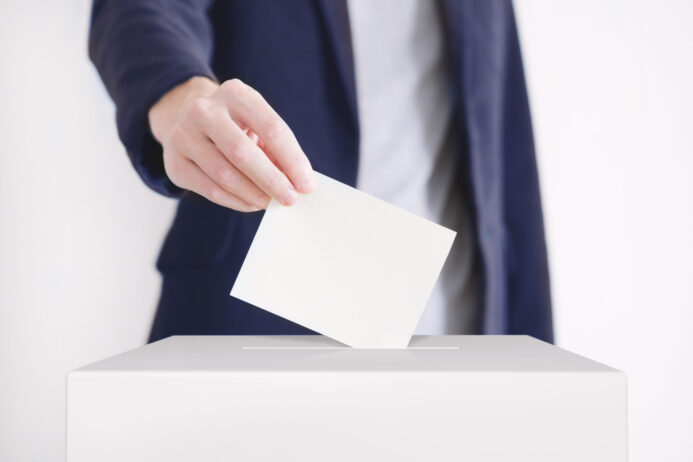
[345,264]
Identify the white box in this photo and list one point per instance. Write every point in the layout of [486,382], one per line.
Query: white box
[308,398]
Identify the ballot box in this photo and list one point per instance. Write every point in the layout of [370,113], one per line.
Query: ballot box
[309,398]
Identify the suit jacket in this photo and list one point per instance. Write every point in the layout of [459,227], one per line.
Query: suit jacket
[297,54]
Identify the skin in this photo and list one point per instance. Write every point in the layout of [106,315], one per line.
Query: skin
[224,142]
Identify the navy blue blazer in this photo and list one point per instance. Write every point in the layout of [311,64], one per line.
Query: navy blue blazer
[297,53]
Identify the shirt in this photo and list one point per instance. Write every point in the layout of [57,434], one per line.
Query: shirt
[407,144]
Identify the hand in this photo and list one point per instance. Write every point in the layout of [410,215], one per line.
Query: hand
[227,144]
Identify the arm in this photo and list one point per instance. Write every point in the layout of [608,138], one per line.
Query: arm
[153,56]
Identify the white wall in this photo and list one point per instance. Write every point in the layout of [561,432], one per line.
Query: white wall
[611,94]
[78,232]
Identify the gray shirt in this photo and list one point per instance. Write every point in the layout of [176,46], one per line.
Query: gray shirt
[407,150]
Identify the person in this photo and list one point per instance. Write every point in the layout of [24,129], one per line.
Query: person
[227,105]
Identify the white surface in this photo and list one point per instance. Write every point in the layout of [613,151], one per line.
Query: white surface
[79,232]
[344,264]
[407,146]
[610,87]
[482,398]
[611,95]
[460,353]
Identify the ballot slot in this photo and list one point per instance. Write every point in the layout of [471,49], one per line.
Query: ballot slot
[345,348]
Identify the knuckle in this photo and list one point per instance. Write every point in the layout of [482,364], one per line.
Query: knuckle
[178,134]
[238,151]
[234,87]
[199,108]
[224,175]
[253,94]
[215,194]
[295,164]
[275,130]
[276,181]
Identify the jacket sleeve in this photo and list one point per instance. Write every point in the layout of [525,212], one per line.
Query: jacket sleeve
[529,294]
[142,49]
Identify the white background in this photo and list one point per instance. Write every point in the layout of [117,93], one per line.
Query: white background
[611,92]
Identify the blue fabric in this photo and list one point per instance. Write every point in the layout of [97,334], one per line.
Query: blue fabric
[298,55]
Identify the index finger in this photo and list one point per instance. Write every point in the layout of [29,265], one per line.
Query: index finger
[250,109]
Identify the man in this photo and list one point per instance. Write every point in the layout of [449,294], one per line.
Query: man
[227,104]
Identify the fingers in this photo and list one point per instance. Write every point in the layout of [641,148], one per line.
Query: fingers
[249,109]
[223,173]
[190,176]
[247,157]
[234,149]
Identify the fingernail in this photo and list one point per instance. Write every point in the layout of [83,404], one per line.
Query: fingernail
[290,196]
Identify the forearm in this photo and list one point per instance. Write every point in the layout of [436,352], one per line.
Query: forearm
[142,49]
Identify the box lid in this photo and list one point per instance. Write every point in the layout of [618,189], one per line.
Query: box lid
[317,353]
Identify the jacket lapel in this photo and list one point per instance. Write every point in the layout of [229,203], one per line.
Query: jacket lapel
[477,37]
[476,46]
[336,18]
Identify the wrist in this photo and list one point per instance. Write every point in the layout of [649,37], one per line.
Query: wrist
[166,110]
